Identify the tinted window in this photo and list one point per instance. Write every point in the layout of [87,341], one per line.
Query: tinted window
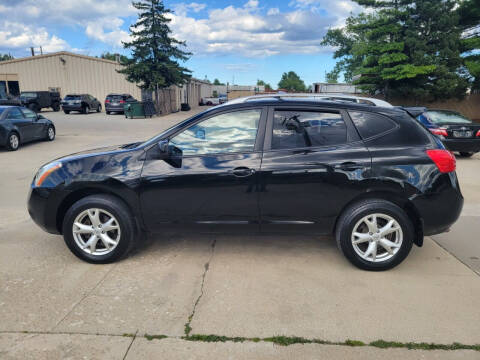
[14,114]
[226,133]
[73,97]
[29,114]
[298,129]
[371,124]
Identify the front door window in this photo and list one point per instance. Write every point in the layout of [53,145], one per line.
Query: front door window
[233,132]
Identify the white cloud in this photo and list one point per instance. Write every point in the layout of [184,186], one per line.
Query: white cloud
[184,8]
[245,31]
[341,9]
[107,30]
[19,36]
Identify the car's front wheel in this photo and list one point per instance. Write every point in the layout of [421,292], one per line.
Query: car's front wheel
[375,235]
[50,133]
[466,154]
[99,229]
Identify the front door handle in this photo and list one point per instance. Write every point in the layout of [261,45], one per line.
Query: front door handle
[349,166]
[242,171]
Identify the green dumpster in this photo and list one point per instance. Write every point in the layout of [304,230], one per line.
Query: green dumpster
[134,109]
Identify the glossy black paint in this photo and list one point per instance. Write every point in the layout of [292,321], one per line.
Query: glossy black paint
[28,129]
[86,101]
[302,189]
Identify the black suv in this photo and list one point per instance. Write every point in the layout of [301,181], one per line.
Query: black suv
[83,103]
[38,100]
[374,177]
[115,102]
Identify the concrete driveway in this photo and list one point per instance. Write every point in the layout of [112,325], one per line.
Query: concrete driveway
[217,297]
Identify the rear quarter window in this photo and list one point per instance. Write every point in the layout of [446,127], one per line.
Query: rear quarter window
[370,125]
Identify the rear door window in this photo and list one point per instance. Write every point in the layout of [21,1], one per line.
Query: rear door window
[300,129]
[371,124]
[14,114]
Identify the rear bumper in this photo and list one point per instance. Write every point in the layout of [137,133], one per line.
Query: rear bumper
[463,145]
[114,108]
[441,208]
[72,107]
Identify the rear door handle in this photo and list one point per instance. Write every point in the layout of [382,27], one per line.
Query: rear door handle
[349,166]
[242,172]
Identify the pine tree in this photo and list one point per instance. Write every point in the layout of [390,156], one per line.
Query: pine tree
[155,53]
[469,12]
[406,48]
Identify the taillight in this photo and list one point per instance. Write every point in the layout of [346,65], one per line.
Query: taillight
[478,133]
[444,160]
[122,101]
[107,101]
[439,131]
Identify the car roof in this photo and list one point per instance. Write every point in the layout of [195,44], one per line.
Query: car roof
[9,106]
[314,97]
[310,103]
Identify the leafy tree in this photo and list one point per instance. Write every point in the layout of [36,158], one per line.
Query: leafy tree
[402,47]
[113,57]
[155,53]
[5,57]
[268,87]
[332,76]
[469,13]
[291,81]
[217,82]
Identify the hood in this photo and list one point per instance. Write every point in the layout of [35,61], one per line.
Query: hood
[108,150]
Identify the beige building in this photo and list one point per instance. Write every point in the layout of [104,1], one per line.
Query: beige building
[70,73]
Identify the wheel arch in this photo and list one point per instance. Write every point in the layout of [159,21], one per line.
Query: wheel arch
[79,194]
[397,199]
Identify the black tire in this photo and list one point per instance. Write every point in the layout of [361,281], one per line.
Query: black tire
[33,107]
[13,145]
[466,154]
[56,106]
[49,136]
[107,112]
[85,109]
[348,220]
[116,207]
[66,111]
[99,108]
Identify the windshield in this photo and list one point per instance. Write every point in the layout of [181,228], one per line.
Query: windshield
[444,117]
[73,97]
[28,94]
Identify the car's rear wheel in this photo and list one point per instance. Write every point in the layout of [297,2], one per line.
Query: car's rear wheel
[85,109]
[99,229]
[13,142]
[99,108]
[375,235]
[466,154]
[56,106]
[66,111]
[107,112]
[50,133]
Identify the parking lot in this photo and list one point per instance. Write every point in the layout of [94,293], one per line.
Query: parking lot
[253,293]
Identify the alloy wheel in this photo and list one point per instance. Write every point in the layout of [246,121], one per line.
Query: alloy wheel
[51,133]
[14,141]
[96,231]
[377,237]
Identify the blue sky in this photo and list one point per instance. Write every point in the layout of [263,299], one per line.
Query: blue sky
[232,40]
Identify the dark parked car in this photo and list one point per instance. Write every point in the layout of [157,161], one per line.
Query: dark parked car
[20,125]
[457,132]
[115,102]
[38,100]
[83,103]
[373,177]
[7,99]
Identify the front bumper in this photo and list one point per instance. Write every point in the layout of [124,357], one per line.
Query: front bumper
[42,207]
[462,145]
[72,107]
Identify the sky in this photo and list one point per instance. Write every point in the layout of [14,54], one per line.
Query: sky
[236,41]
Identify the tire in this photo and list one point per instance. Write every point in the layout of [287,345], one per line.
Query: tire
[56,107]
[466,154]
[107,206]
[66,111]
[13,141]
[352,220]
[99,108]
[50,133]
[107,112]
[85,109]
[33,107]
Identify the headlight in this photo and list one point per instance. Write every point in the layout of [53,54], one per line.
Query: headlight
[45,172]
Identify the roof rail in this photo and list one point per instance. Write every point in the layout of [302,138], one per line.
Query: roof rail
[336,97]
